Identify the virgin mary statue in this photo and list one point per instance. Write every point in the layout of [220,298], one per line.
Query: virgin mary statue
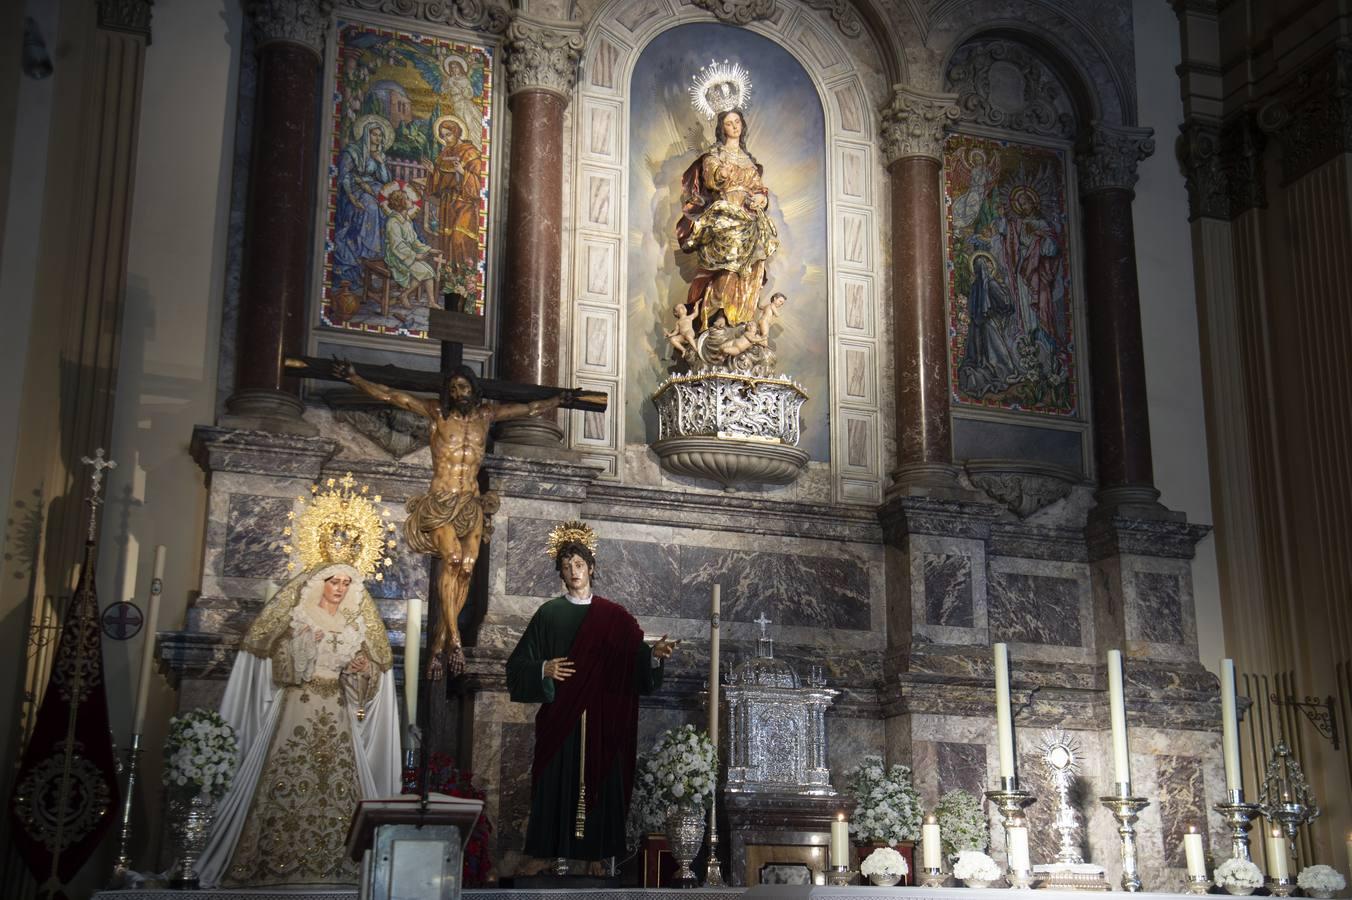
[311,699]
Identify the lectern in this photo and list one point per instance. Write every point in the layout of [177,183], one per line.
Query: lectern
[408,848]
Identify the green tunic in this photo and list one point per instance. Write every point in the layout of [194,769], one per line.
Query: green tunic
[553,803]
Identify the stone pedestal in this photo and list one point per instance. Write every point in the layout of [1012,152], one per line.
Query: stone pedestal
[796,827]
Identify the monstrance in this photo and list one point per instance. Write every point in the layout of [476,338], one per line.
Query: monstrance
[1061,754]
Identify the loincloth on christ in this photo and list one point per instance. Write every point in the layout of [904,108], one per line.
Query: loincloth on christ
[462,510]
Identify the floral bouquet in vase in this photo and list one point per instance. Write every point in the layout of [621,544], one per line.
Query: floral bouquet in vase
[975,868]
[1239,876]
[884,866]
[200,754]
[888,807]
[1320,881]
[676,777]
[962,824]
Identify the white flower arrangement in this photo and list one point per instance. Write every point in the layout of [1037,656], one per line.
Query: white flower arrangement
[962,824]
[681,767]
[200,753]
[1240,873]
[885,862]
[1324,879]
[889,807]
[973,865]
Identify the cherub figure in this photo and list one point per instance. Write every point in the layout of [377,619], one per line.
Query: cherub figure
[768,310]
[682,334]
[751,336]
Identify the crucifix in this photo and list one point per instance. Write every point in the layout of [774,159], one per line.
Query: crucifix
[450,520]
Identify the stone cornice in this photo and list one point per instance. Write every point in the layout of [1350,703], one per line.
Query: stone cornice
[303,22]
[480,15]
[1108,156]
[542,55]
[915,123]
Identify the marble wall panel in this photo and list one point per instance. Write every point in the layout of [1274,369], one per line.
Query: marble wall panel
[1044,607]
[253,540]
[1182,799]
[960,766]
[514,765]
[1160,619]
[948,589]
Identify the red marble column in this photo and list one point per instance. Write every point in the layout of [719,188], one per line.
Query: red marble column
[541,63]
[1116,350]
[279,215]
[912,139]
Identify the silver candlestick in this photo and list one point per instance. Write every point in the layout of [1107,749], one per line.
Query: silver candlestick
[713,875]
[122,865]
[1124,808]
[1011,801]
[1198,884]
[1239,816]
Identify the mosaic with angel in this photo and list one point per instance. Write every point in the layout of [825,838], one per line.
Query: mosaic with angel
[1011,291]
[408,199]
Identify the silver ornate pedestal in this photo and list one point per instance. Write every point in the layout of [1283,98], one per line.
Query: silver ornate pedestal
[730,428]
[1125,808]
[193,814]
[1239,816]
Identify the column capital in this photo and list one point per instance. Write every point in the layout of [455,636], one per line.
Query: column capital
[304,22]
[542,55]
[1311,118]
[126,15]
[915,122]
[1222,166]
[1108,155]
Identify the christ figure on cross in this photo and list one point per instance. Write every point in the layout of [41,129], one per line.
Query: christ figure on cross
[452,518]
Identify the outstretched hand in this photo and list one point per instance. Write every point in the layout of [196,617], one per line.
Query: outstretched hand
[343,369]
[664,648]
[559,668]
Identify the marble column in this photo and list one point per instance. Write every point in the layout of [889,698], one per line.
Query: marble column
[274,283]
[912,143]
[541,63]
[1107,161]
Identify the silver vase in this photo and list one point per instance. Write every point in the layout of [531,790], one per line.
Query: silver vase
[685,835]
[193,814]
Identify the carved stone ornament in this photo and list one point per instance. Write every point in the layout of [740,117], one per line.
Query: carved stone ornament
[1222,166]
[1021,487]
[1313,117]
[542,55]
[478,15]
[1108,157]
[396,431]
[304,22]
[126,15]
[915,122]
[738,12]
[1002,84]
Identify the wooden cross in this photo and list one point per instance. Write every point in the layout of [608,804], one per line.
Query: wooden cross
[454,330]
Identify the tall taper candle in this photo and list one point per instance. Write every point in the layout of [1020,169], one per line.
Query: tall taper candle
[138,718]
[412,652]
[1349,857]
[1117,710]
[130,563]
[930,841]
[713,664]
[1004,721]
[1234,779]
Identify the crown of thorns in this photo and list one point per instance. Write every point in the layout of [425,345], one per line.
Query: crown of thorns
[573,532]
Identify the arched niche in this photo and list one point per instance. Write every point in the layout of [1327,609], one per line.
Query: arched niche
[601,223]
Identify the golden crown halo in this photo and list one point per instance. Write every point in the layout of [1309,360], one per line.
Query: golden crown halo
[340,526]
[573,532]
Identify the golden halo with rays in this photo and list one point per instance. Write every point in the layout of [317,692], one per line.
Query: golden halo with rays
[340,525]
[359,126]
[719,87]
[982,254]
[449,117]
[571,532]
[1024,200]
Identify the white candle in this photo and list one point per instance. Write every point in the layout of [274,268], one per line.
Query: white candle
[412,649]
[138,718]
[1276,847]
[1118,711]
[840,842]
[713,664]
[1230,727]
[1004,721]
[1196,854]
[1349,857]
[1018,847]
[931,842]
[130,563]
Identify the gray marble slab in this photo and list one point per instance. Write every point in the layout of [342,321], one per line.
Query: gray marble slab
[948,590]
[1159,616]
[1034,609]
[253,540]
[961,766]
[1182,800]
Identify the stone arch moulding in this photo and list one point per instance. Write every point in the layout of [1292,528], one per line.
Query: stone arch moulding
[1067,44]
[599,223]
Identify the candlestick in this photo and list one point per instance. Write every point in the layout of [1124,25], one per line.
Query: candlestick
[1195,852]
[1239,816]
[714,629]
[931,842]
[1199,884]
[412,656]
[1011,801]
[148,645]
[122,865]
[1125,808]
[840,842]
[1004,719]
[1117,710]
